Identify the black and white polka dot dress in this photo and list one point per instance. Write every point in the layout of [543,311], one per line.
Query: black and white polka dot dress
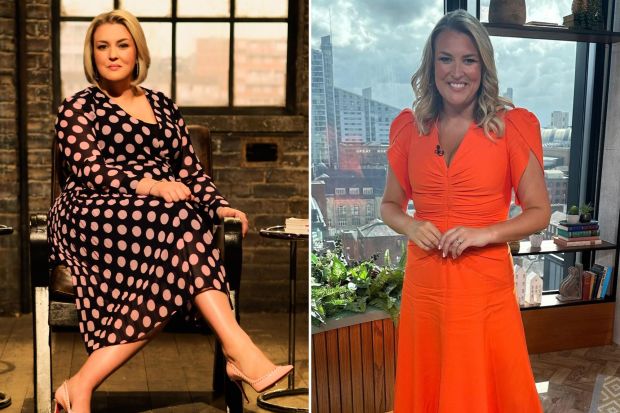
[134,259]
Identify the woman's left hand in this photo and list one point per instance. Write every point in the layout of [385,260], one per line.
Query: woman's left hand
[224,212]
[456,240]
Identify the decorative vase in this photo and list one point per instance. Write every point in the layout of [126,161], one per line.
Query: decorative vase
[507,11]
[536,240]
[572,219]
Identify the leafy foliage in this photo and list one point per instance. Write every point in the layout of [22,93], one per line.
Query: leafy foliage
[340,286]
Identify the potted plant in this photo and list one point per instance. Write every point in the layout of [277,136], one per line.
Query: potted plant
[536,239]
[572,216]
[339,286]
[585,212]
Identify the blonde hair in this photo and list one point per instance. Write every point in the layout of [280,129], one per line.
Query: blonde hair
[143,57]
[428,101]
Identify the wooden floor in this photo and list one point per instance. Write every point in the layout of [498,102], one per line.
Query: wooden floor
[171,374]
[566,379]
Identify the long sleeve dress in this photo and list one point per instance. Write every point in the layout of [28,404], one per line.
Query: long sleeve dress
[135,259]
[461,344]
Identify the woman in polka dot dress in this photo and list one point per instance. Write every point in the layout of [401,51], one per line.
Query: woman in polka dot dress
[134,220]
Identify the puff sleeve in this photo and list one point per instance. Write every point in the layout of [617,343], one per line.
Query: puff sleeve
[522,136]
[401,132]
[76,133]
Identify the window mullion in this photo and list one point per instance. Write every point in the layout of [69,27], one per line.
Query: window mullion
[231,56]
[173,63]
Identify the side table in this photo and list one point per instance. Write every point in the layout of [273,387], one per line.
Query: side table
[5,399]
[278,232]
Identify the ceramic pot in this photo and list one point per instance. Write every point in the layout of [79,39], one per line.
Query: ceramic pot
[536,240]
[507,11]
[585,217]
[572,219]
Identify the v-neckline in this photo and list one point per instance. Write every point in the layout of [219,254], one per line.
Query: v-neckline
[445,162]
[148,99]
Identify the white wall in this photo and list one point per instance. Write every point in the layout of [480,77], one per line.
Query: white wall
[610,183]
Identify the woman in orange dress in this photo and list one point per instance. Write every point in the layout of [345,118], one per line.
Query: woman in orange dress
[458,155]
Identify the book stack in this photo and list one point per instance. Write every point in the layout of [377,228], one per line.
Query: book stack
[596,282]
[577,235]
[296,225]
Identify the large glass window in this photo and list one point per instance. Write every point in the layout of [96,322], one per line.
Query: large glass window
[361,69]
[217,54]
[360,78]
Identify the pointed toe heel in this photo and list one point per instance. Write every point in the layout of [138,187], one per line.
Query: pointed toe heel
[260,384]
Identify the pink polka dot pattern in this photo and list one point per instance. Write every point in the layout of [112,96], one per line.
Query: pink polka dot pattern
[135,260]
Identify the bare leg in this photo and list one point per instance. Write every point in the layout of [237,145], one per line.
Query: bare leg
[236,344]
[99,366]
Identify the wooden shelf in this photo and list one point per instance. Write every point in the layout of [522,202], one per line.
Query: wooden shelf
[549,300]
[562,33]
[550,247]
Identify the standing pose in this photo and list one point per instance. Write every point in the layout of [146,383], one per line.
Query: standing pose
[458,155]
[134,220]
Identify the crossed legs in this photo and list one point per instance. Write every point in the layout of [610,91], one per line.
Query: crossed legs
[213,305]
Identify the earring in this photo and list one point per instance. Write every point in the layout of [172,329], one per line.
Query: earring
[136,69]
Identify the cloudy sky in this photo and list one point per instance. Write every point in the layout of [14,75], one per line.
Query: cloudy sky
[379,44]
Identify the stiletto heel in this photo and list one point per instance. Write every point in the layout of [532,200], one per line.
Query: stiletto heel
[240,385]
[59,406]
[262,383]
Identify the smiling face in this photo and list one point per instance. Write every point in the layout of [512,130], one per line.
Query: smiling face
[458,71]
[114,52]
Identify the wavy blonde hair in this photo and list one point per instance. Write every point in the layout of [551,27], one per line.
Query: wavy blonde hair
[428,101]
[143,57]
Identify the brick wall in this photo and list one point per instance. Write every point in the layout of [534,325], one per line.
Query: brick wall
[268,194]
[9,181]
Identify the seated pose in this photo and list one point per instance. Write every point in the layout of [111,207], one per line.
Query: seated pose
[458,155]
[134,221]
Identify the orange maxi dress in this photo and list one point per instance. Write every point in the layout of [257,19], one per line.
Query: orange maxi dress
[461,345]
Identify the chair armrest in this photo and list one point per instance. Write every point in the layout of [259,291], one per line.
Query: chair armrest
[232,251]
[39,268]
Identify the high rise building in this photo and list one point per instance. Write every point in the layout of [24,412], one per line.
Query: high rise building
[559,119]
[340,117]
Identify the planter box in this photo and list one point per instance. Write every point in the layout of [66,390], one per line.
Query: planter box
[354,364]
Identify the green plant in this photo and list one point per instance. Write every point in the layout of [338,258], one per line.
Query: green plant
[586,208]
[573,210]
[340,286]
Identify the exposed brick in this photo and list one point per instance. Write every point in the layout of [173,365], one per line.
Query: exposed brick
[287,176]
[239,175]
[40,76]
[38,29]
[274,190]
[7,9]
[38,11]
[40,45]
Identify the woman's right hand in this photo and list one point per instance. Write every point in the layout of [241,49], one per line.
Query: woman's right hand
[424,234]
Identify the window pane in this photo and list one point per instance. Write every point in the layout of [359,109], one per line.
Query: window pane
[201,8]
[548,11]
[260,64]
[539,75]
[153,8]
[202,64]
[85,8]
[72,77]
[159,39]
[261,8]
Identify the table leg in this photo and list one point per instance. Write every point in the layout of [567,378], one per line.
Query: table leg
[291,311]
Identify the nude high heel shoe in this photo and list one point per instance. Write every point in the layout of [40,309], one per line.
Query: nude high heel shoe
[58,406]
[260,384]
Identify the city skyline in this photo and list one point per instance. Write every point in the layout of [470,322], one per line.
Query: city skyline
[381,48]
